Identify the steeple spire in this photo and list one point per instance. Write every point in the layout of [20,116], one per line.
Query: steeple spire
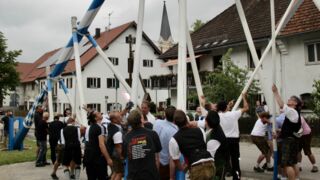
[165,40]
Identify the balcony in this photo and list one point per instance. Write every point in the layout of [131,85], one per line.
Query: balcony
[170,80]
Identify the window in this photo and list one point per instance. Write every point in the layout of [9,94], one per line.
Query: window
[60,85]
[114,107]
[32,86]
[313,53]
[69,83]
[147,83]
[55,90]
[114,60]
[93,83]
[112,83]
[147,63]
[95,106]
[67,105]
[307,100]
[42,84]
[217,62]
[250,59]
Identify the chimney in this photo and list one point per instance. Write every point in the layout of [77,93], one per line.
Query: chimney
[97,32]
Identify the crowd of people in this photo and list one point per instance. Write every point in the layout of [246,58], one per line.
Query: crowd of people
[136,145]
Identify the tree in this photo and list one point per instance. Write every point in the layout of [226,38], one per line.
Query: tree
[197,25]
[9,77]
[316,97]
[227,83]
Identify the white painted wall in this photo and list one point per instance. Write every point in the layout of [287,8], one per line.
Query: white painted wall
[97,68]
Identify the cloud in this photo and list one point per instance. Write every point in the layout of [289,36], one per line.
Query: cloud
[38,26]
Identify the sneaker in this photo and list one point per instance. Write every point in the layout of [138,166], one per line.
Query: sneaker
[54,176]
[258,169]
[269,169]
[40,165]
[72,176]
[46,163]
[314,169]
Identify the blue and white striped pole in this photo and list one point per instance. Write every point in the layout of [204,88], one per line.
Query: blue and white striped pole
[28,120]
[60,65]
[82,29]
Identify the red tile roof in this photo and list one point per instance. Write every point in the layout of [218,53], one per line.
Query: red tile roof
[226,30]
[306,19]
[105,39]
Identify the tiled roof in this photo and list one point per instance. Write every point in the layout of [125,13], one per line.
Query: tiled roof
[306,19]
[226,29]
[105,39]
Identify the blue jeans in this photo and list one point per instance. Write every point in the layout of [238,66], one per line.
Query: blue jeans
[41,158]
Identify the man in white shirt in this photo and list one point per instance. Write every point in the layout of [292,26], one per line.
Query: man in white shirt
[289,133]
[145,109]
[230,127]
[258,137]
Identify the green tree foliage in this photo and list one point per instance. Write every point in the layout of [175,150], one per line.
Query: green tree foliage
[197,25]
[316,97]
[227,84]
[9,77]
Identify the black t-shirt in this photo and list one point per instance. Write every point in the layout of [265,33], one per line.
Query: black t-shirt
[92,154]
[42,130]
[54,130]
[5,121]
[140,146]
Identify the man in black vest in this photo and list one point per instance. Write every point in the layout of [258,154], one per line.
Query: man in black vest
[289,133]
[114,145]
[96,157]
[70,138]
[191,143]
[217,143]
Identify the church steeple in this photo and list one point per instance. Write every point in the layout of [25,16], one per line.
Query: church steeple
[165,40]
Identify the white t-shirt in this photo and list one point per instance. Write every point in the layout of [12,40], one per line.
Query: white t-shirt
[151,118]
[175,151]
[259,129]
[229,123]
[117,137]
[212,146]
[291,113]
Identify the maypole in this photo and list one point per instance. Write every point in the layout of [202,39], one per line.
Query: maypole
[60,65]
[182,55]
[273,103]
[194,66]
[137,57]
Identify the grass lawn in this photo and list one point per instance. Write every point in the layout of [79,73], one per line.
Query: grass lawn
[29,154]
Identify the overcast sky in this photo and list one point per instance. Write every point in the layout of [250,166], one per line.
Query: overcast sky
[38,26]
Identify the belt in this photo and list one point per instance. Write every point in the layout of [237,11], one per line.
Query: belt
[202,163]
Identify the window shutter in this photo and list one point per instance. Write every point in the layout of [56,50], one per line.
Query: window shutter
[151,63]
[88,82]
[109,82]
[117,83]
[98,83]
